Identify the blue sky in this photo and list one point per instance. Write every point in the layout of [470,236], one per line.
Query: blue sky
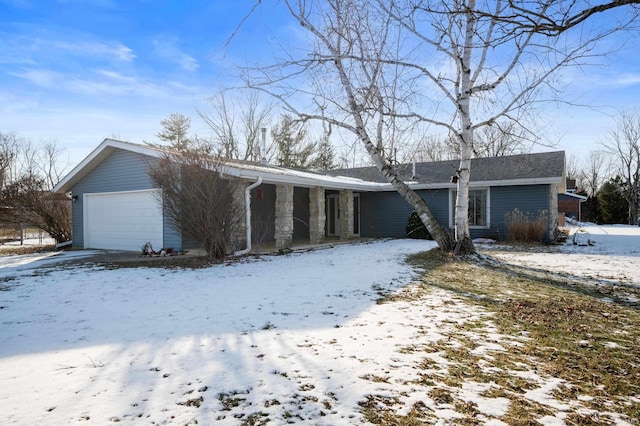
[77,71]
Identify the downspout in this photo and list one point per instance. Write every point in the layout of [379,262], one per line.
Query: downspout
[247,202]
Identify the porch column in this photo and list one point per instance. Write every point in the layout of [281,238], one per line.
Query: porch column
[552,229]
[345,203]
[317,215]
[284,216]
[238,234]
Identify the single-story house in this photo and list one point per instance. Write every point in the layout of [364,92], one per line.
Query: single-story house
[115,205]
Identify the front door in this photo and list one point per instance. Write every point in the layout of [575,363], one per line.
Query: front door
[333,215]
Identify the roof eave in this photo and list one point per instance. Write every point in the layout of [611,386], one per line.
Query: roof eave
[95,157]
[488,183]
[302,181]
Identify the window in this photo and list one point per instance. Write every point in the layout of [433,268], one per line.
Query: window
[478,208]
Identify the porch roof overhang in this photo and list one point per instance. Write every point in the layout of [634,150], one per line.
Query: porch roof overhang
[580,198]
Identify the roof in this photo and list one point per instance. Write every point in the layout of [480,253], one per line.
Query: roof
[246,170]
[526,169]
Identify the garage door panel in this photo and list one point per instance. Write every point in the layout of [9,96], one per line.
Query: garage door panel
[123,220]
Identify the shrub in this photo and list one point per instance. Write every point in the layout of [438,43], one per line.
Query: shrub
[197,200]
[416,229]
[526,228]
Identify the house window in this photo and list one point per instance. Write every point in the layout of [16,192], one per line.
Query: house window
[478,208]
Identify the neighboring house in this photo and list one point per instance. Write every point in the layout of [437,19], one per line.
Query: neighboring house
[115,205]
[570,204]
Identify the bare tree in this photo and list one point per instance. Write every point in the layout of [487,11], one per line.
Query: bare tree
[236,128]
[197,198]
[8,155]
[375,66]
[623,144]
[500,139]
[27,195]
[428,148]
[593,176]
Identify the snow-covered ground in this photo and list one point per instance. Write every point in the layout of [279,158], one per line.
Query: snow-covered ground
[298,338]
[31,240]
[608,254]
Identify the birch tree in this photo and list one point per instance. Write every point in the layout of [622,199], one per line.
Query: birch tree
[371,67]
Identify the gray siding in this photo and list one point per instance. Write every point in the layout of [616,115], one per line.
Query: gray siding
[263,213]
[385,214]
[529,199]
[120,171]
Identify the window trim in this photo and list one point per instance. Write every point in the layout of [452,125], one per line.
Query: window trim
[452,203]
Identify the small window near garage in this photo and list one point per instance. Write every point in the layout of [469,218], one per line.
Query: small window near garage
[478,208]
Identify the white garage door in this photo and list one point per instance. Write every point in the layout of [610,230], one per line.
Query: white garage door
[122,220]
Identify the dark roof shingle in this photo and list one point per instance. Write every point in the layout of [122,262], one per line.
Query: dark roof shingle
[512,167]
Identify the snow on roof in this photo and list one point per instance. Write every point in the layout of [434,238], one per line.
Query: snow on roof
[525,169]
[247,170]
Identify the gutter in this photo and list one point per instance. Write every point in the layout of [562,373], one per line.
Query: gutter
[247,202]
[65,244]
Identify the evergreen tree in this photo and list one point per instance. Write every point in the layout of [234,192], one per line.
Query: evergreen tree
[175,131]
[613,205]
[325,158]
[290,141]
[591,211]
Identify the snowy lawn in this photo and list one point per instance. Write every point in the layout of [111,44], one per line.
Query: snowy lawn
[343,335]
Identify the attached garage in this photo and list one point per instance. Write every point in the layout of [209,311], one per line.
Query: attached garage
[123,220]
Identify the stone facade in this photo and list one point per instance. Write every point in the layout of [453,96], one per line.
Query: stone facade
[345,204]
[552,231]
[238,237]
[317,215]
[284,216]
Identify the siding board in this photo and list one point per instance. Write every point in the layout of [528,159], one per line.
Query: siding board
[529,199]
[385,214]
[120,171]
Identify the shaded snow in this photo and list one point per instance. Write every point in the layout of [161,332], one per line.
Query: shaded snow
[614,257]
[297,337]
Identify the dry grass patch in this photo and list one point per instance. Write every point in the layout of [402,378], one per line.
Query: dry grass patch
[22,250]
[564,331]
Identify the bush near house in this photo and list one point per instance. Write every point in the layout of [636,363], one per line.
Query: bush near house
[197,200]
[415,228]
[526,228]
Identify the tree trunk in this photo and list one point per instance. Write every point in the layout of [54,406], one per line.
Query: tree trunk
[463,243]
[437,231]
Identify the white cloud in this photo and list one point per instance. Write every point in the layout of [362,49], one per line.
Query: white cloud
[626,79]
[114,49]
[102,82]
[39,77]
[167,48]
